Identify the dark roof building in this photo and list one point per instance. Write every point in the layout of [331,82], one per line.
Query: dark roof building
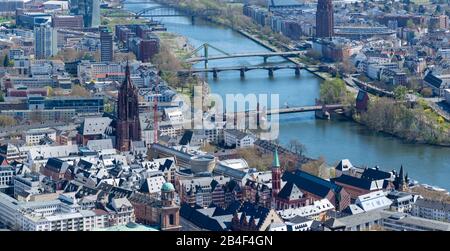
[319,188]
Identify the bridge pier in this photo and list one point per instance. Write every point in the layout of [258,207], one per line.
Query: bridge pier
[215,74]
[297,71]
[193,19]
[242,72]
[270,72]
[265,59]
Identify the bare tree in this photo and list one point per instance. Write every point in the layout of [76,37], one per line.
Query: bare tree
[296,147]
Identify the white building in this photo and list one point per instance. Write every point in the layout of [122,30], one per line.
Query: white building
[84,220]
[373,200]
[53,215]
[26,185]
[174,115]
[6,176]
[56,5]
[45,41]
[433,210]
[299,223]
[313,211]
[88,71]
[238,139]
[447,95]
[34,136]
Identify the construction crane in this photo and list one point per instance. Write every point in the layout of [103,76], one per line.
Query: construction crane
[155,113]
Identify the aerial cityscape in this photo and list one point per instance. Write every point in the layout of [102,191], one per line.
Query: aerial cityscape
[224,115]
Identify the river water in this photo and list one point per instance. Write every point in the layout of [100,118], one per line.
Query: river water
[333,140]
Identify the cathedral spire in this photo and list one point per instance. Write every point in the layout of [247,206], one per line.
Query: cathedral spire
[128,127]
[276,160]
[401,173]
[127,80]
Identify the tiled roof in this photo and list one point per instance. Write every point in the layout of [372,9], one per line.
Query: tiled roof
[311,183]
[438,205]
[365,184]
[374,174]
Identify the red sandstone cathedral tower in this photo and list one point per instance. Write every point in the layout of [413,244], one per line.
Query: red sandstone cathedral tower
[324,19]
[128,127]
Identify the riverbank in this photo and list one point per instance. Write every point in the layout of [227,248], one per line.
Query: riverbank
[322,75]
[331,140]
[250,35]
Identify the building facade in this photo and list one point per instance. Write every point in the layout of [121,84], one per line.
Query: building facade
[45,41]
[106,45]
[324,18]
[89,9]
[128,125]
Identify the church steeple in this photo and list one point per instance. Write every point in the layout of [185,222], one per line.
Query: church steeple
[276,178]
[276,161]
[128,125]
[401,181]
[401,173]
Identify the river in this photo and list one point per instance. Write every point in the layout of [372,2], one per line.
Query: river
[333,140]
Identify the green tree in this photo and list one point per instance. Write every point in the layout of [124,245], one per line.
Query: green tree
[2,99]
[333,91]
[7,121]
[400,92]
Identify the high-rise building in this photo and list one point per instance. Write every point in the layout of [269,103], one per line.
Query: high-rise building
[106,45]
[45,41]
[128,127]
[89,9]
[324,18]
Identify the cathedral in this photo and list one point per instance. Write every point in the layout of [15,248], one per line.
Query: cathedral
[127,126]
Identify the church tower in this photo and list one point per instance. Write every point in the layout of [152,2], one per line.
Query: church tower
[401,181]
[170,212]
[324,19]
[128,127]
[276,177]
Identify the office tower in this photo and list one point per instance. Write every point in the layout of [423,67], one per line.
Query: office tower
[106,45]
[89,9]
[324,18]
[45,41]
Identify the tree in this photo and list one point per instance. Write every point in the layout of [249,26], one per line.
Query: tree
[121,56]
[400,92]
[313,167]
[333,91]
[426,92]
[296,147]
[78,90]
[2,99]
[346,67]
[261,162]
[208,148]
[69,55]
[313,54]
[6,61]
[7,121]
